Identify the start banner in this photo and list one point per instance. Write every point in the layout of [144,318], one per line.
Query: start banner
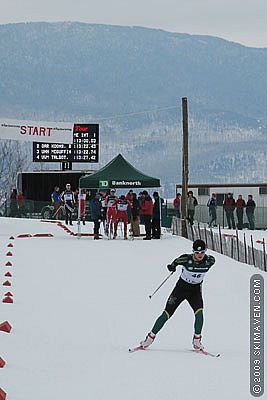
[36,131]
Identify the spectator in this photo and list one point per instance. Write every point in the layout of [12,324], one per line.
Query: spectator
[240,205]
[56,202]
[141,200]
[135,219]
[157,211]
[212,204]
[250,208]
[129,197]
[76,195]
[21,205]
[229,207]
[95,209]
[192,203]
[68,200]
[122,206]
[177,205]
[147,212]
[14,203]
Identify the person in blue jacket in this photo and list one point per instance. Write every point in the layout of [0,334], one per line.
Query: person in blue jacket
[95,208]
[156,217]
[212,204]
[56,202]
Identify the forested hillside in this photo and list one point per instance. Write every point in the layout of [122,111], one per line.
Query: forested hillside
[131,80]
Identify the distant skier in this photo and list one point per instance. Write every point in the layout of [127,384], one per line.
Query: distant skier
[68,200]
[188,287]
[122,206]
[111,203]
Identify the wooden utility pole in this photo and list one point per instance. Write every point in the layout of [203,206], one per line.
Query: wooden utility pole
[185,168]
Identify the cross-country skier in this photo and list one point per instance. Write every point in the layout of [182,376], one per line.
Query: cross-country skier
[68,200]
[122,206]
[188,287]
[111,202]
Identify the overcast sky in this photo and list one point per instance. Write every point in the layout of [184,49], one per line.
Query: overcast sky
[243,21]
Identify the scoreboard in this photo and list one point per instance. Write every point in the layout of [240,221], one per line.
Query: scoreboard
[85,142]
[52,152]
[85,147]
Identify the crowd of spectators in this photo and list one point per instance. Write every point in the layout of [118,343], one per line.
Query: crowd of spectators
[232,208]
[230,205]
[106,207]
[135,209]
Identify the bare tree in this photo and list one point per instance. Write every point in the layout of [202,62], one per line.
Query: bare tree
[14,157]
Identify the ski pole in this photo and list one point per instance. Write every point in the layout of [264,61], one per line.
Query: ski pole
[162,283]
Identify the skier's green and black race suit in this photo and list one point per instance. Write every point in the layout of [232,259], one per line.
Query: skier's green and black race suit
[187,288]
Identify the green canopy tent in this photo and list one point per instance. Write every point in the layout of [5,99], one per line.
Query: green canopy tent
[118,173]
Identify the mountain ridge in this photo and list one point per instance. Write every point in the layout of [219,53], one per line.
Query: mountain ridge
[131,80]
[136,63]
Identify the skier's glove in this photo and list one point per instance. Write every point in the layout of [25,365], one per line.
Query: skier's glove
[171,267]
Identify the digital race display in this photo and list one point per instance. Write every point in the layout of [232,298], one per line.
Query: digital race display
[85,147]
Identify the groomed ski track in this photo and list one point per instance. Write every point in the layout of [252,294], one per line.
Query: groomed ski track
[79,305]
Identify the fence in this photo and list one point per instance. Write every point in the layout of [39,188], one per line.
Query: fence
[202,214]
[228,245]
[38,209]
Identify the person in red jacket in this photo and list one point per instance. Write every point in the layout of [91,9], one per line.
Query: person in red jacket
[21,204]
[240,205]
[147,212]
[229,207]
[177,205]
[129,196]
[122,207]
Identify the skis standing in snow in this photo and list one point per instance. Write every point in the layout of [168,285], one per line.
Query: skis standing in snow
[188,287]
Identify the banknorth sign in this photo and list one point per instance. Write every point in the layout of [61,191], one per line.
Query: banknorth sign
[33,131]
[106,184]
[126,183]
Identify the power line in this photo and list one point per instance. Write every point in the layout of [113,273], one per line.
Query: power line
[136,113]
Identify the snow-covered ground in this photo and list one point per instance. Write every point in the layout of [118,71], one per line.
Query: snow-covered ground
[79,304]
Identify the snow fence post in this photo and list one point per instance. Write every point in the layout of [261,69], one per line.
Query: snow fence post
[264,255]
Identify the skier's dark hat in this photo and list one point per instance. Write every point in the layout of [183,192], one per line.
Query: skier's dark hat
[199,245]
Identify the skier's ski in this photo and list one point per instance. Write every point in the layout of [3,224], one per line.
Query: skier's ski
[136,349]
[206,353]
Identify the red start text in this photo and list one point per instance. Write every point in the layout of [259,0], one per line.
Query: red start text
[35,130]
